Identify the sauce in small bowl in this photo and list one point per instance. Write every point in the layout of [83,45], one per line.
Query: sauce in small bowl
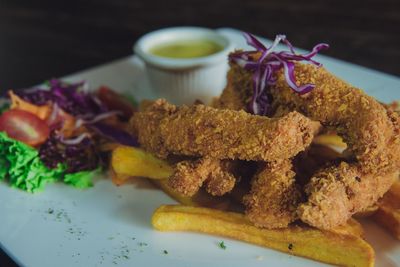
[184,64]
[186,49]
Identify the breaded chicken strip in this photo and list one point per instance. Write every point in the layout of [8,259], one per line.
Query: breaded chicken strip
[336,193]
[199,130]
[238,93]
[370,131]
[218,176]
[359,119]
[371,134]
[274,196]
[189,176]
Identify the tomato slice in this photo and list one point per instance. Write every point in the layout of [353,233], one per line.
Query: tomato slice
[24,126]
[114,101]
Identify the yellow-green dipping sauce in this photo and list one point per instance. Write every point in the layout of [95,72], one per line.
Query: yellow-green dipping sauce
[186,49]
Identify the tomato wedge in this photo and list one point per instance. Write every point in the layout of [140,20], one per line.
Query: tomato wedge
[114,101]
[24,126]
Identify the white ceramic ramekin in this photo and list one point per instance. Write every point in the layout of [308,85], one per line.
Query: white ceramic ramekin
[182,81]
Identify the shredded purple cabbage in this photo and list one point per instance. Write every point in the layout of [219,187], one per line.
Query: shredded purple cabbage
[71,97]
[77,157]
[75,100]
[265,68]
[117,135]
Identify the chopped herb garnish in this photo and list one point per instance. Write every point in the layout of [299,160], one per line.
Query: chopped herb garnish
[142,244]
[50,211]
[222,245]
[165,252]
[290,247]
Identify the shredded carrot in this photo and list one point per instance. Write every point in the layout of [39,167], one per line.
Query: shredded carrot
[42,112]
[68,127]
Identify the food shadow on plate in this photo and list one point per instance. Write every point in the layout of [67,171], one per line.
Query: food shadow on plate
[136,209]
[139,183]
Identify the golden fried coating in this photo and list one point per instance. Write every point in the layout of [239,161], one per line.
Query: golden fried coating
[371,135]
[370,131]
[222,179]
[336,193]
[359,119]
[237,93]
[189,176]
[199,130]
[274,196]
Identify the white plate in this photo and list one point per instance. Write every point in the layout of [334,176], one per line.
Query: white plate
[110,226]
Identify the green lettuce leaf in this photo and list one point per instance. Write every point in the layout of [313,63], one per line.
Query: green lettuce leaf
[21,166]
[82,179]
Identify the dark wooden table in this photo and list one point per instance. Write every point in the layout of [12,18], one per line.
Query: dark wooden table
[44,39]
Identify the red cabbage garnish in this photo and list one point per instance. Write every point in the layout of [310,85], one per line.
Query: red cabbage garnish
[115,134]
[265,68]
[76,156]
[102,116]
[76,140]
[71,97]
[86,107]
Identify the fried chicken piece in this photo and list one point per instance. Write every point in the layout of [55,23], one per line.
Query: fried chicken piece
[189,176]
[219,176]
[370,131]
[274,196]
[238,93]
[359,119]
[199,130]
[336,193]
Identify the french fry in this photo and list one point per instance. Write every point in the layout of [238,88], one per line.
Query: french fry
[136,162]
[388,213]
[329,140]
[368,212]
[119,180]
[334,247]
[389,218]
[200,199]
[163,185]
[352,227]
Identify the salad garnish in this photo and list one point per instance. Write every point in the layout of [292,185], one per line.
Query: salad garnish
[62,132]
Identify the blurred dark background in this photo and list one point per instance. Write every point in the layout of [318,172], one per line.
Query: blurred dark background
[44,39]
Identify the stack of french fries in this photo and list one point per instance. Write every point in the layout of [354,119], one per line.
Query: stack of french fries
[204,213]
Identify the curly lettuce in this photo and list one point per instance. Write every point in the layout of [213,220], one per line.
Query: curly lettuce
[21,167]
[82,179]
